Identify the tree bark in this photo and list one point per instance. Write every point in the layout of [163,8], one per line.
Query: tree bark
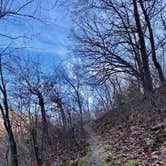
[35,145]
[64,121]
[152,42]
[80,109]
[12,155]
[147,80]
[44,119]
[12,158]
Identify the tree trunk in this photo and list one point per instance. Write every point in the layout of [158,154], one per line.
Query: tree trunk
[147,80]
[58,101]
[152,42]
[63,119]
[80,109]
[35,146]
[44,119]
[12,157]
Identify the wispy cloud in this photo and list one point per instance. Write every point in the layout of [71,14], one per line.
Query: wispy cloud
[49,36]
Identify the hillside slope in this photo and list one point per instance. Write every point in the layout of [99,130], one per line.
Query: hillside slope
[130,143]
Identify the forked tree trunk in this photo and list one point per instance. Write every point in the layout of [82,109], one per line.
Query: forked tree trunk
[146,78]
[152,42]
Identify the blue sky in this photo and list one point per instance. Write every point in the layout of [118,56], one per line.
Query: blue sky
[46,40]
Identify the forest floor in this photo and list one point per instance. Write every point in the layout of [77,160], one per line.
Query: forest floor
[126,144]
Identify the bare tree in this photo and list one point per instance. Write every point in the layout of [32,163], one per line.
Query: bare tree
[31,80]
[72,79]
[10,8]
[113,37]
[56,98]
[147,80]
[147,14]
[5,111]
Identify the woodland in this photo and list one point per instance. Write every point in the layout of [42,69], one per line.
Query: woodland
[104,104]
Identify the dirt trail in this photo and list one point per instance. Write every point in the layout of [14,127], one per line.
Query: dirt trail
[96,149]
